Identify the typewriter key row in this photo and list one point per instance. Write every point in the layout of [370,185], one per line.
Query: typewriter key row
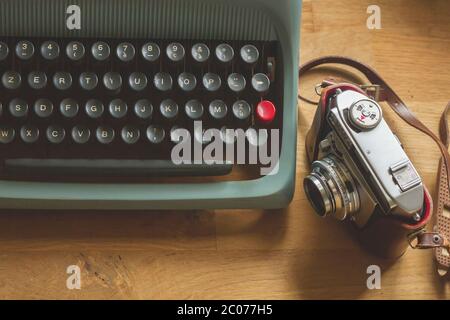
[126,51]
[143,109]
[137,81]
[129,134]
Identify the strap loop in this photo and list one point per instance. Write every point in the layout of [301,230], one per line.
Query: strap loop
[428,240]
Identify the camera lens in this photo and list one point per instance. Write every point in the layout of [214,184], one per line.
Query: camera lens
[315,193]
[330,188]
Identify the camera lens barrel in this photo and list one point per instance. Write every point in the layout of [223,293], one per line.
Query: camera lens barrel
[331,189]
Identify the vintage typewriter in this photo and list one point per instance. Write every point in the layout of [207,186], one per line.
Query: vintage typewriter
[94,94]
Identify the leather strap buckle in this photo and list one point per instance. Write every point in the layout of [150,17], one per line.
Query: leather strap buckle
[373,90]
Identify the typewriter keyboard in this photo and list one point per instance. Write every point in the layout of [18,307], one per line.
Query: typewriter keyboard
[111,106]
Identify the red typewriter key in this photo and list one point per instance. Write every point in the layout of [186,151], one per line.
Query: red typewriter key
[265,111]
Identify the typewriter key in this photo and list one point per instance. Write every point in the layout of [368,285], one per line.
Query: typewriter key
[25,50]
[50,50]
[100,51]
[75,50]
[150,51]
[29,134]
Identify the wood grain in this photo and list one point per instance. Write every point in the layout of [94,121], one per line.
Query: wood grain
[246,254]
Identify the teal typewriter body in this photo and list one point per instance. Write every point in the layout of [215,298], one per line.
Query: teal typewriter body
[91,88]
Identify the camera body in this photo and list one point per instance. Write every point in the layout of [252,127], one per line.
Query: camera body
[359,170]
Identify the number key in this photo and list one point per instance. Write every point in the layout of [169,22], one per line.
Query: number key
[25,50]
[125,51]
[100,51]
[150,51]
[50,50]
[175,51]
[75,50]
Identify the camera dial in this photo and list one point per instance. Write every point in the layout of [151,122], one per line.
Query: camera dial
[365,114]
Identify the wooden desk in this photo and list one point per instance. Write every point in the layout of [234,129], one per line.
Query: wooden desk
[254,254]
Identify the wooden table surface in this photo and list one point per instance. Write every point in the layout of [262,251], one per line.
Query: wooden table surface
[254,254]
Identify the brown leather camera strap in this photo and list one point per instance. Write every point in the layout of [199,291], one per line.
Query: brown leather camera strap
[381,91]
[442,226]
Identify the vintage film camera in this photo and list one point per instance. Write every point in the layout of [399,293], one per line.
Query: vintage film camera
[360,172]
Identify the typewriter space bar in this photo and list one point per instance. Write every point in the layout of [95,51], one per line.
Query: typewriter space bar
[110,167]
